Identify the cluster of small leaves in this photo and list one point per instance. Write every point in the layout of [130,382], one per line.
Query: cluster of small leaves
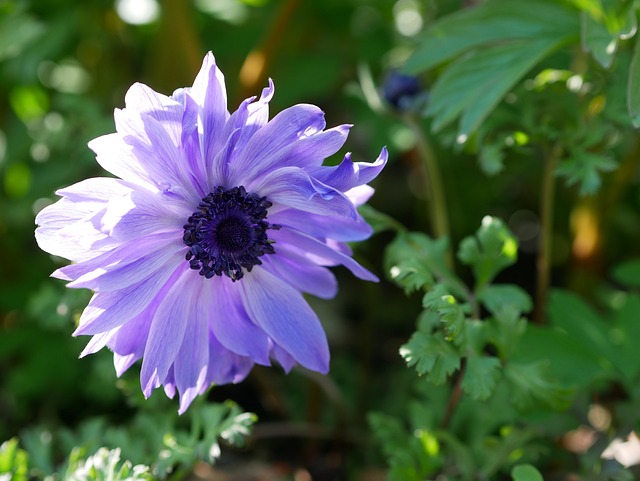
[213,422]
[471,334]
[104,465]
[153,439]
[451,330]
[14,462]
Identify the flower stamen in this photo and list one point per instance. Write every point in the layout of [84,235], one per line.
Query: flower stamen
[228,233]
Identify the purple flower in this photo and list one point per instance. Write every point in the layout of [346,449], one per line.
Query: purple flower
[199,252]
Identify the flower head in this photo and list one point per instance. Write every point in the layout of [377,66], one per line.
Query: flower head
[200,251]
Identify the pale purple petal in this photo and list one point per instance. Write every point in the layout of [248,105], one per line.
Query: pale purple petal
[267,143]
[226,367]
[108,310]
[344,229]
[301,274]
[231,324]
[166,335]
[287,318]
[321,251]
[291,187]
[190,366]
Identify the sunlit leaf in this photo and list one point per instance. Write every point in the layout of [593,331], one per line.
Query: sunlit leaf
[414,261]
[492,249]
[491,22]
[430,354]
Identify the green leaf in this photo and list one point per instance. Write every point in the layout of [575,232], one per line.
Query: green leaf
[414,261]
[531,387]
[633,85]
[500,297]
[491,22]
[407,455]
[624,337]
[491,158]
[526,472]
[481,376]
[104,466]
[563,352]
[451,313]
[432,355]
[492,249]
[13,461]
[628,273]
[584,168]
[570,313]
[597,40]
[472,85]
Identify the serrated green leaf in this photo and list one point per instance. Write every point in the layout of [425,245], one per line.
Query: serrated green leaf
[481,376]
[584,168]
[492,249]
[526,472]
[104,466]
[628,273]
[531,386]
[405,453]
[492,22]
[414,261]
[451,313]
[430,354]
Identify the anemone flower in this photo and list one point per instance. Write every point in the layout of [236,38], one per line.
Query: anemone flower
[201,248]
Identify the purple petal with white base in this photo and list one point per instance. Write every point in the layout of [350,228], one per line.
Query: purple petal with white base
[200,251]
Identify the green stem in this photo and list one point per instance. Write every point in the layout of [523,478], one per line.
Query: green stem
[547,197]
[437,202]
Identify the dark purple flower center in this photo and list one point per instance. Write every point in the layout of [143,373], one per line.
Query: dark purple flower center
[228,233]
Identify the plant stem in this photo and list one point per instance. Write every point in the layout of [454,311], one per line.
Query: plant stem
[437,203]
[454,397]
[547,197]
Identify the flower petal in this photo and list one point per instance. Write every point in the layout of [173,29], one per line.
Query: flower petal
[130,339]
[286,317]
[263,150]
[303,275]
[230,324]
[291,187]
[340,228]
[150,258]
[304,243]
[166,333]
[107,310]
[191,363]
[225,366]
[210,93]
